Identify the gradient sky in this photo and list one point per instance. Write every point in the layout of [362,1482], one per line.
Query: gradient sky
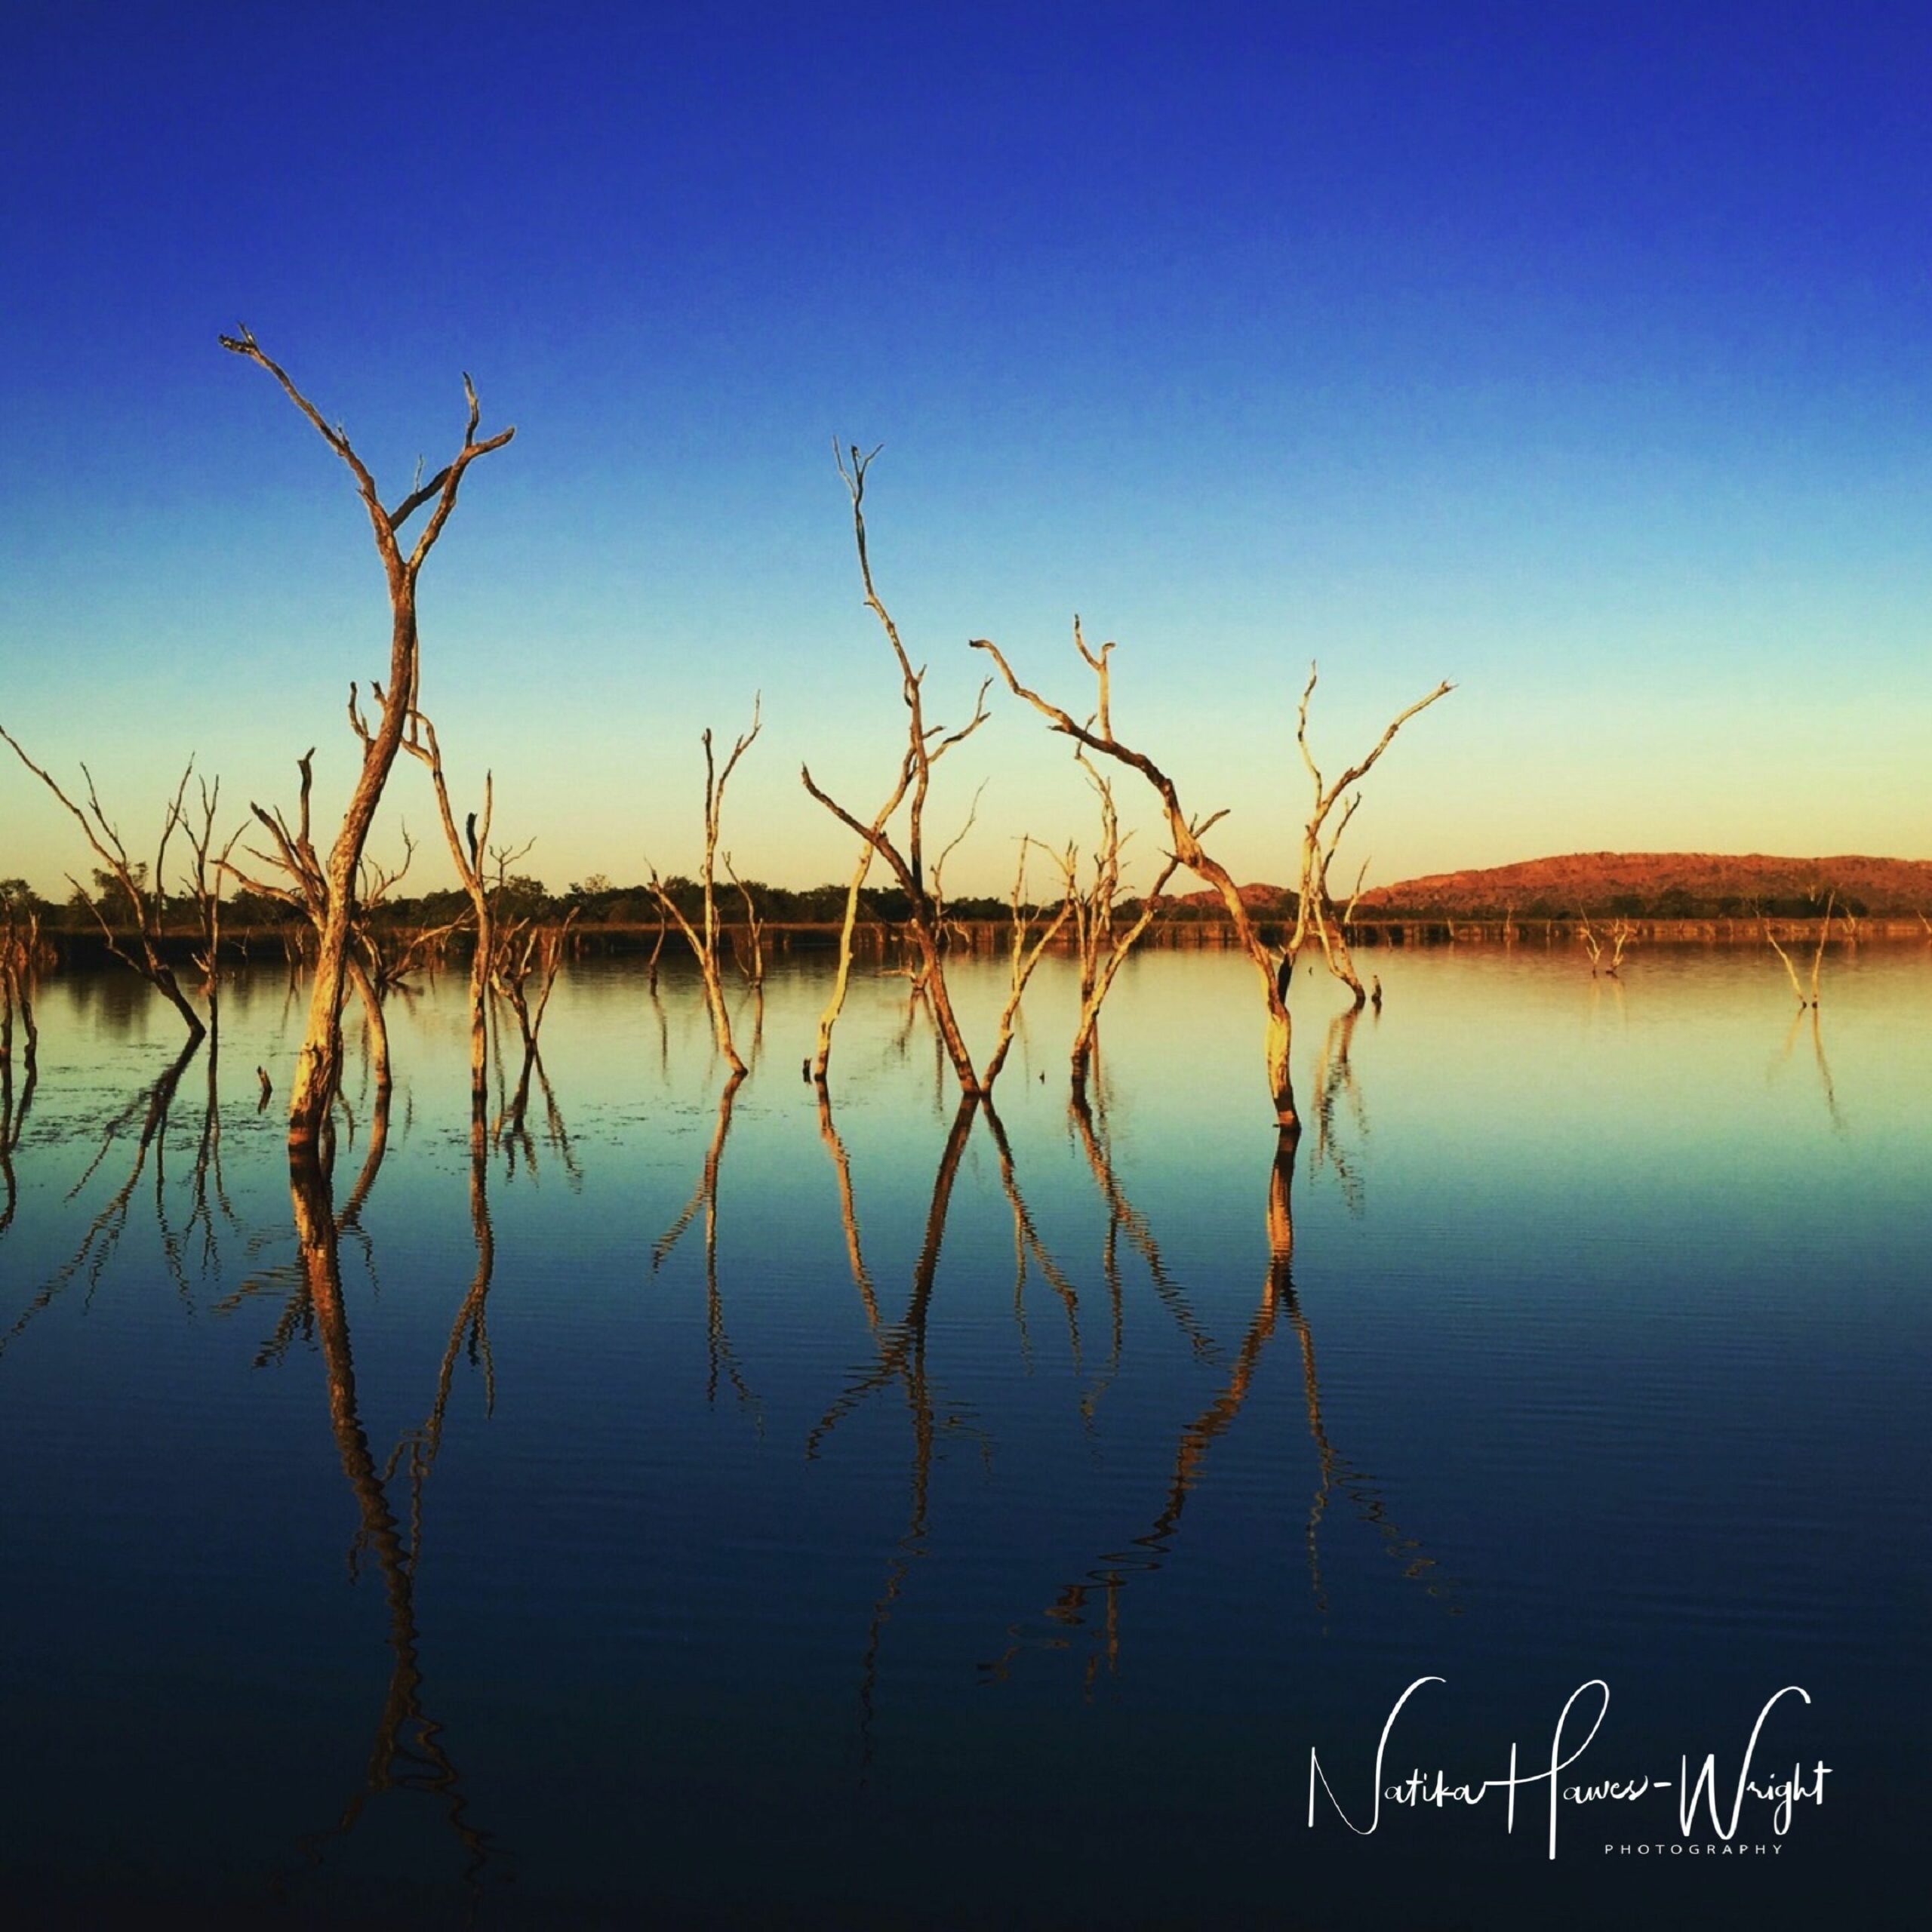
[1577,354]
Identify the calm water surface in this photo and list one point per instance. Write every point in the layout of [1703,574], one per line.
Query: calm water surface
[703,1509]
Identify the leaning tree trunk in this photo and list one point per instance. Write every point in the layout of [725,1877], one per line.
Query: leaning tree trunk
[1184,835]
[319,1061]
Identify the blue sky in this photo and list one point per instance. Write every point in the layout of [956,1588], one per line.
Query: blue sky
[1576,354]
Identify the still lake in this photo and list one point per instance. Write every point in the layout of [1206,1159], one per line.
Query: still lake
[880,1520]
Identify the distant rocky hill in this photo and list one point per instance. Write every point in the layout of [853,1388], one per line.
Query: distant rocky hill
[1666,885]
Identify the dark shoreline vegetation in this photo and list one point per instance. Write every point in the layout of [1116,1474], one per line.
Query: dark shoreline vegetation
[621,919]
[77,945]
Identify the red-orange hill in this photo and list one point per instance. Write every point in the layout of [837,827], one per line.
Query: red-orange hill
[1589,880]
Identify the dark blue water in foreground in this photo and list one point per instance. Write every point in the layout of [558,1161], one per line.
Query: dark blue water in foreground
[876,1519]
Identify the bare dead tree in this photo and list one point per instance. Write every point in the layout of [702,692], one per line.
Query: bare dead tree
[704,943]
[400,956]
[841,978]
[1315,912]
[1824,940]
[1592,944]
[1355,900]
[527,950]
[14,1109]
[905,855]
[752,964]
[1031,935]
[318,1067]
[19,966]
[204,885]
[468,852]
[1185,833]
[1621,934]
[1817,957]
[1102,943]
[20,946]
[302,884]
[144,902]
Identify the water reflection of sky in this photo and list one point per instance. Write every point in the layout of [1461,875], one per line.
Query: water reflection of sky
[1022,1557]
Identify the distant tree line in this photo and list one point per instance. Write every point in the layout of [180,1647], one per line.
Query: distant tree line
[1676,903]
[595,900]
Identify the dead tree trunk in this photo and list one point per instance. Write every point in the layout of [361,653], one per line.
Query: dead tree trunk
[704,944]
[20,964]
[146,901]
[467,851]
[1315,912]
[1185,833]
[841,979]
[1023,958]
[1817,958]
[1104,946]
[306,891]
[924,749]
[204,882]
[318,1067]
[752,964]
[523,950]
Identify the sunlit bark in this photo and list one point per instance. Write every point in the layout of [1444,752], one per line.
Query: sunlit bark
[703,938]
[904,854]
[1805,998]
[318,1067]
[468,852]
[302,884]
[527,950]
[1315,910]
[1186,835]
[1028,943]
[145,901]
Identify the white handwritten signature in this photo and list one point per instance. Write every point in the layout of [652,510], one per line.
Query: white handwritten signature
[1420,1788]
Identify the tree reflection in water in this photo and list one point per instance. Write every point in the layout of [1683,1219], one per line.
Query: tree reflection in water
[1824,1065]
[411,1751]
[901,1351]
[719,1353]
[1109,1572]
[901,1359]
[151,1104]
[408,1753]
[1334,1085]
